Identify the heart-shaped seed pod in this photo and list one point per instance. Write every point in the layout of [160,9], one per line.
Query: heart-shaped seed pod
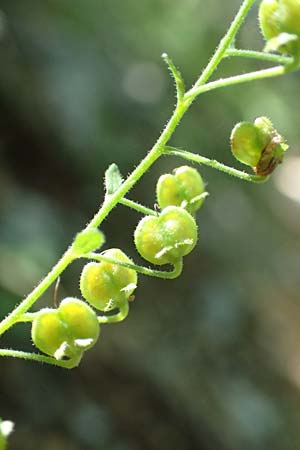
[105,285]
[185,188]
[165,239]
[66,331]
[258,145]
[280,25]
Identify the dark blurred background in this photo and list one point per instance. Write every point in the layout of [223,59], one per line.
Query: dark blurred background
[208,361]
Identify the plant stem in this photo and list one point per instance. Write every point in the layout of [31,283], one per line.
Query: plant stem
[109,203]
[156,151]
[214,164]
[68,364]
[27,317]
[179,82]
[23,307]
[138,207]
[236,79]
[262,56]
[225,43]
[112,200]
[180,110]
[143,270]
[121,315]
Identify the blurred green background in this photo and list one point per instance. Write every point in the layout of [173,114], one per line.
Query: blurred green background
[210,360]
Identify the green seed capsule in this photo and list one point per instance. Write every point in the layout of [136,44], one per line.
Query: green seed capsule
[184,188]
[279,21]
[268,18]
[66,331]
[167,238]
[290,16]
[258,145]
[105,285]
[247,143]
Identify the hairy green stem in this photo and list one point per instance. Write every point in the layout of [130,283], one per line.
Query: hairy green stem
[24,306]
[156,151]
[118,317]
[67,364]
[214,164]
[27,317]
[179,82]
[110,201]
[225,43]
[262,56]
[236,79]
[138,207]
[143,270]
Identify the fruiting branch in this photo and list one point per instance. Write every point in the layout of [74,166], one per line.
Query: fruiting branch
[166,236]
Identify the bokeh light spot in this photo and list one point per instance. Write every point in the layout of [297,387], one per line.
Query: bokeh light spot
[144,82]
[287,178]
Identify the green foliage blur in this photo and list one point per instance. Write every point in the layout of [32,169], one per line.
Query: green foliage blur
[210,360]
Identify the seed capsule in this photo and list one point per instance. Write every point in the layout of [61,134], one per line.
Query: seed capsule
[66,331]
[258,145]
[105,285]
[280,25]
[185,188]
[167,238]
